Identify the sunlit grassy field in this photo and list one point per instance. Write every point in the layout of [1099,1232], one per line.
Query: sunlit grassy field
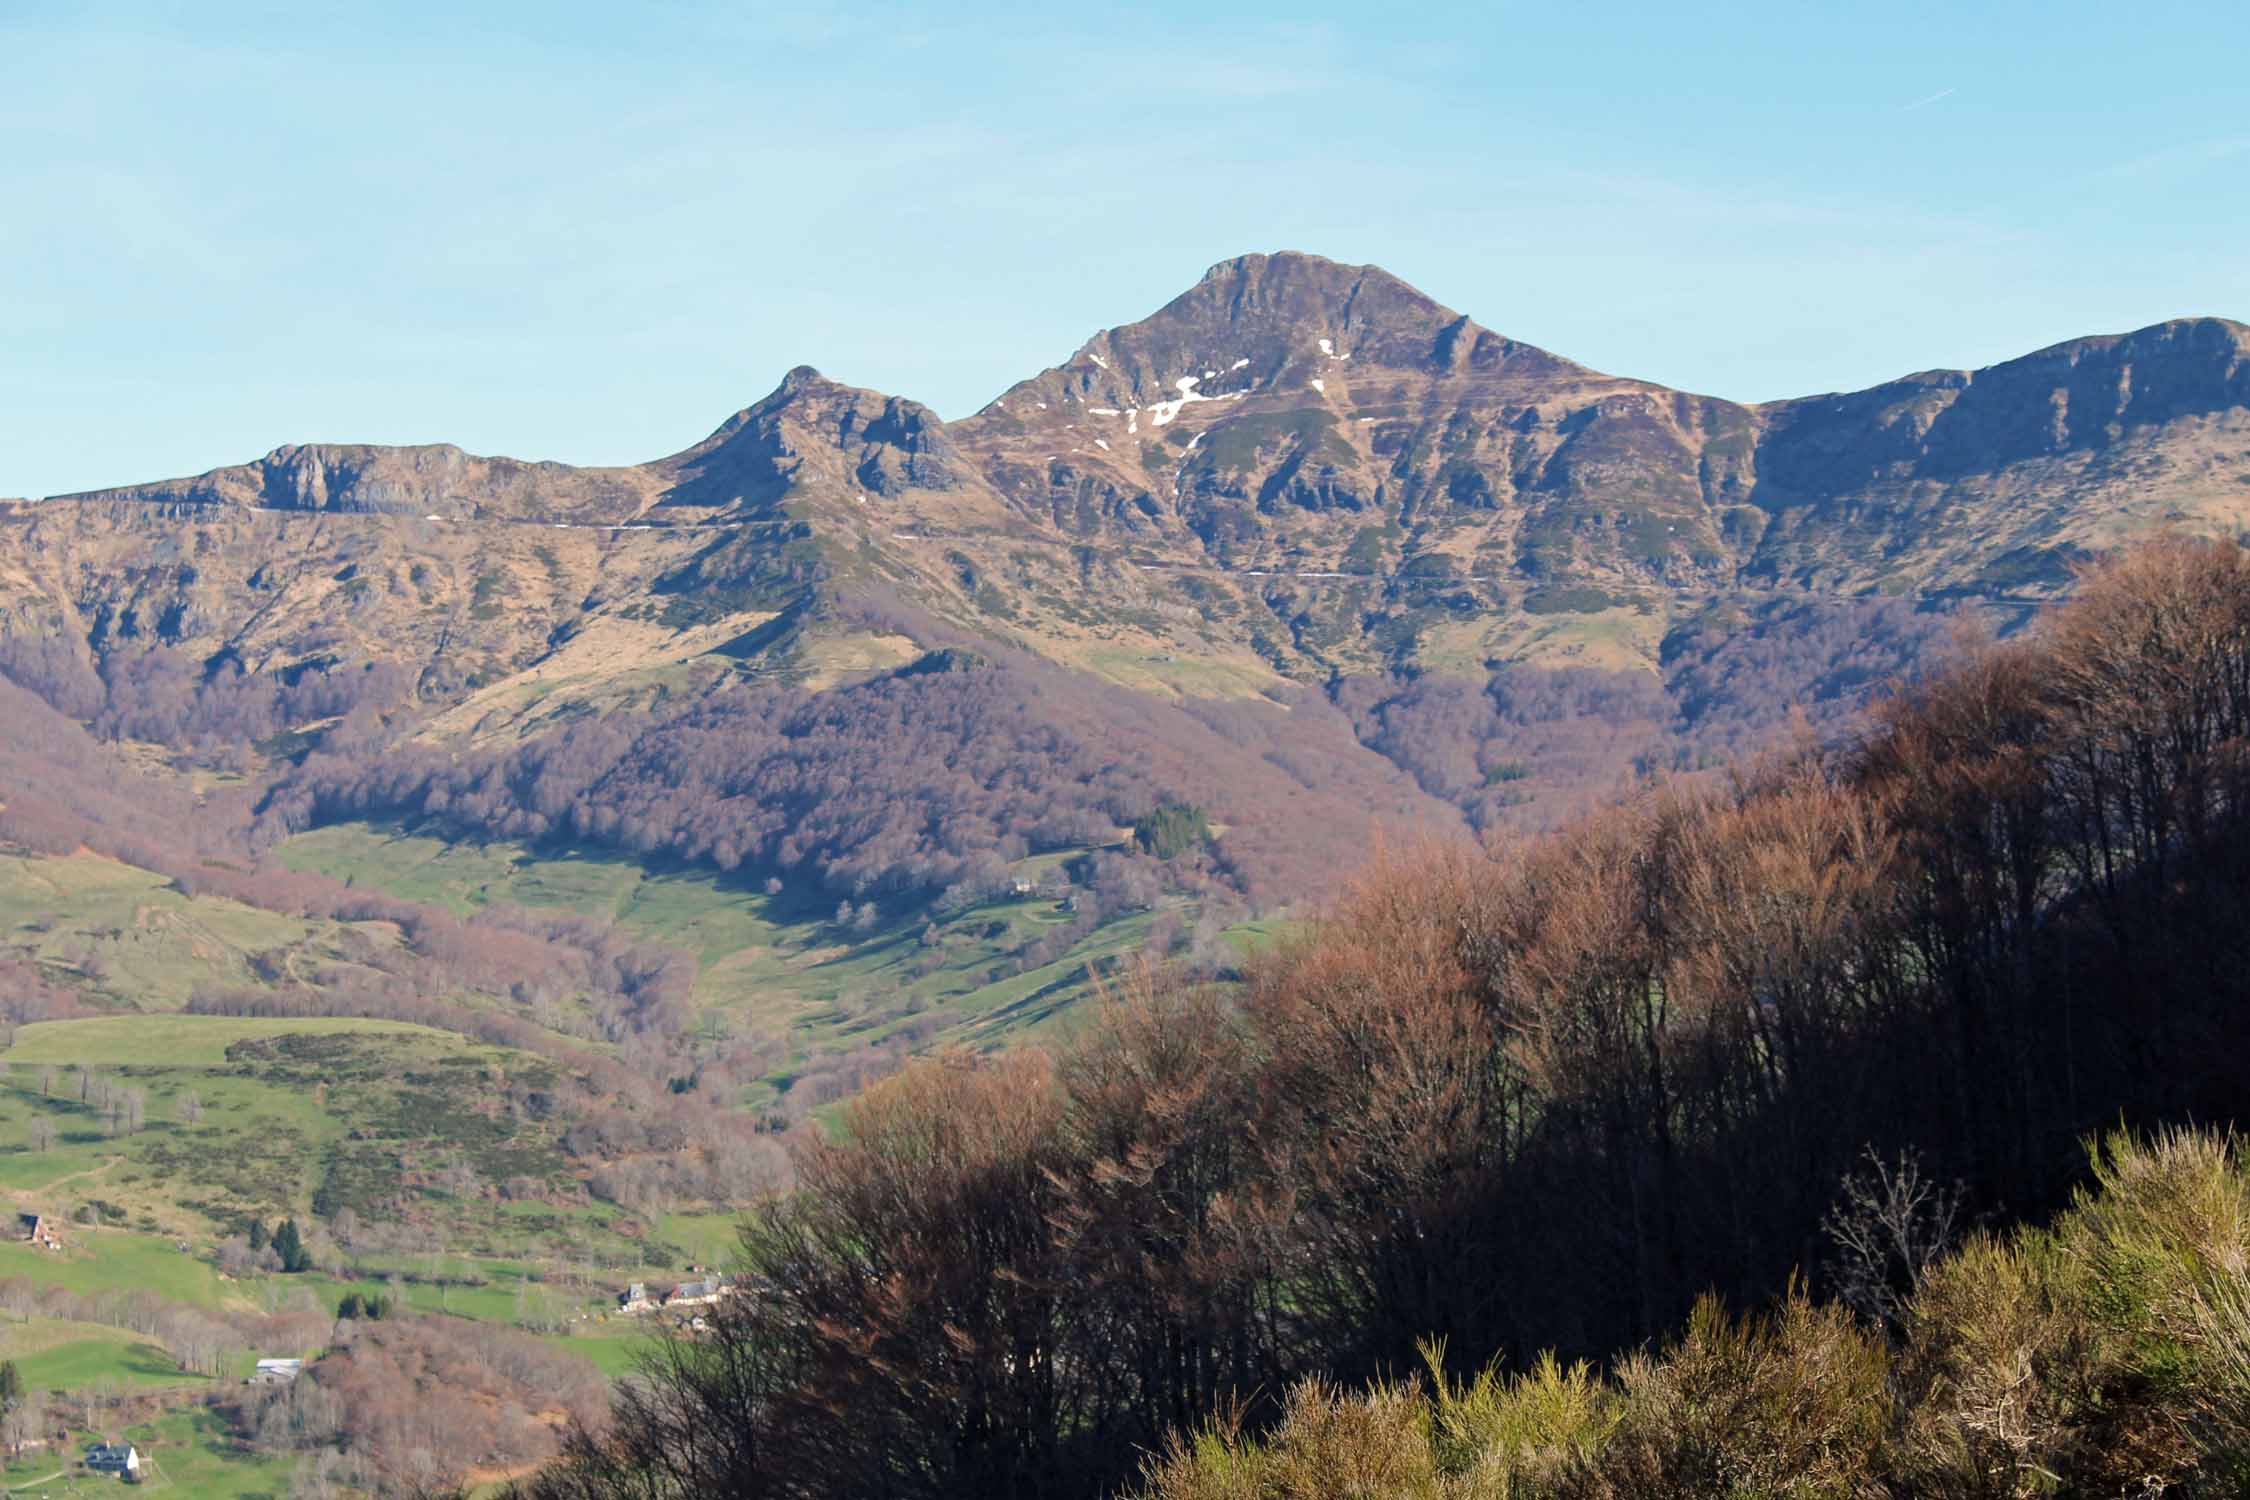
[129,935]
[54,1354]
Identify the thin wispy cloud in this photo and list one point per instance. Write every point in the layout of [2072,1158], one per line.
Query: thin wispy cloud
[2183,158]
[1926,103]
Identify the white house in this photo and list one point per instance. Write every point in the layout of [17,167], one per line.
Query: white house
[276,1371]
[121,1459]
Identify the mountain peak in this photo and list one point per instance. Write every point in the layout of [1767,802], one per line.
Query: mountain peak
[811,432]
[803,385]
[1313,304]
[802,377]
[1268,322]
[805,394]
[1300,270]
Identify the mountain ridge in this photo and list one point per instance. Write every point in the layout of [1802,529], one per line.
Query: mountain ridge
[1249,280]
[1292,469]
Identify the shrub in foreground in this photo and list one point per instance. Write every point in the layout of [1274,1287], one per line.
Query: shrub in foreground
[2108,1354]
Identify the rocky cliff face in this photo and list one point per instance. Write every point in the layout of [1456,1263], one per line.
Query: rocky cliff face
[812,440]
[433,480]
[1294,468]
[1999,478]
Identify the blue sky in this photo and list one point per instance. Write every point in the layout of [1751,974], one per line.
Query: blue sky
[590,232]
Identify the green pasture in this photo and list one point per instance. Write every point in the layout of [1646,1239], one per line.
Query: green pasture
[194,1457]
[128,937]
[115,1260]
[365,1110]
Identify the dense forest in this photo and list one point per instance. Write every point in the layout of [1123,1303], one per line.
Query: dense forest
[1786,1033]
[914,781]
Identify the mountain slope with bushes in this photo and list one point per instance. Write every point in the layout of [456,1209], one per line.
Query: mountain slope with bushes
[1549,1096]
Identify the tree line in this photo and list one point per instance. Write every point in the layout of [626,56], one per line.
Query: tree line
[1531,747]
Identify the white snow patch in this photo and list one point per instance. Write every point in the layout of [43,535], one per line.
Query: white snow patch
[1105,411]
[1320,386]
[1097,359]
[1190,448]
[1101,445]
[1329,349]
[1238,364]
[1165,411]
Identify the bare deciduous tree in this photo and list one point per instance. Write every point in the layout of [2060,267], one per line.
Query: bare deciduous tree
[23,1420]
[1891,1221]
